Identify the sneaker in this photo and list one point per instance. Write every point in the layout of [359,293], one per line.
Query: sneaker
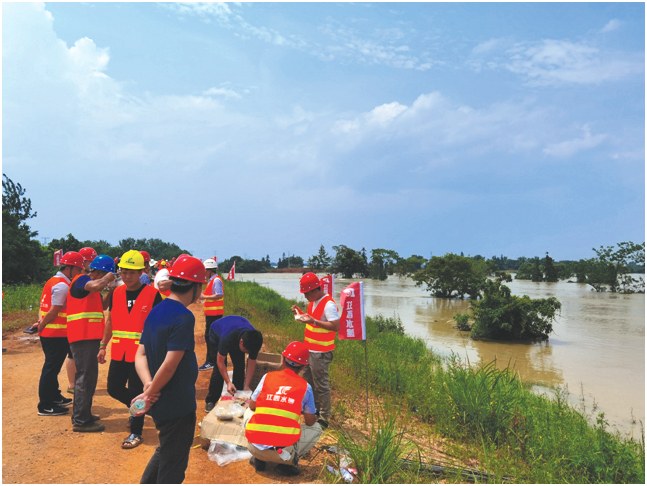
[52,411]
[209,407]
[94,418]
[323,423]
[63,402]
[89,427]
[206,366]
[288,470]
[257,463]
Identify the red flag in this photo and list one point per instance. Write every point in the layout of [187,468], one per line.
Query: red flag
[58,254]
[352,324]
[232,272]
[327,284]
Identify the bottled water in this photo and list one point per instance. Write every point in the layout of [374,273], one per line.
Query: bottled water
[137,406]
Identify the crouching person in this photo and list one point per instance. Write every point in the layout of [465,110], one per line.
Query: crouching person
[272,423]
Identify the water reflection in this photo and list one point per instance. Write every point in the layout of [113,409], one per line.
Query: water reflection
[597,349]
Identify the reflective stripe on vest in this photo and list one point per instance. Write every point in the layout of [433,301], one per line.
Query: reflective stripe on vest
[318,338]
[84,316]
[58,327]
[127,326]
[214,307]
[278,410]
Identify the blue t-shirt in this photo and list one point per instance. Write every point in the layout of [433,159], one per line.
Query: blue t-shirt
[78,291]
[169,327]
[145,279]
[228,330]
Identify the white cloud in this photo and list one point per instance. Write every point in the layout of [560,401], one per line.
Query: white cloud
[223,93]
[568,148]
[551,62]
[611,25]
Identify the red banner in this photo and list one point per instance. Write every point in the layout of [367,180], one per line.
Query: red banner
[327,284]
[58,254]
[352,324]
[232,272]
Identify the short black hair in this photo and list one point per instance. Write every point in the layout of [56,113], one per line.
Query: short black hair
[181,286]
[252,340]
[293,365]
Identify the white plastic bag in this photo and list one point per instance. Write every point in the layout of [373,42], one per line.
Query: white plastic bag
[223,453]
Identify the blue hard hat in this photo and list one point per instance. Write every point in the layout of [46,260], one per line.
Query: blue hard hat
[103,263]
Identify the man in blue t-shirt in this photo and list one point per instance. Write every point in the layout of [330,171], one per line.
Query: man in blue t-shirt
[233,336]
[167,365]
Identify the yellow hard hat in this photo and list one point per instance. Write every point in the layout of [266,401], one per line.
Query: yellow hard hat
[132,260]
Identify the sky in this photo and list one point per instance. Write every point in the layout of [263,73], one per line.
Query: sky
[257,129]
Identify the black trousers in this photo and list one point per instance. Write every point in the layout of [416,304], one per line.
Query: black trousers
[211,350]
[124,385]
[216,382]
[170,460]
[55,351]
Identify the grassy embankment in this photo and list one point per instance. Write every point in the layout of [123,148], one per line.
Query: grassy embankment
[486,414]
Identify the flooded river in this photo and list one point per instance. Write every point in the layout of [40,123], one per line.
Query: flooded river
[597,349]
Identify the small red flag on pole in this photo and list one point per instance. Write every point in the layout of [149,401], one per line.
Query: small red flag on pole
[352,324]
[327,282]
[232,272]
[58,254]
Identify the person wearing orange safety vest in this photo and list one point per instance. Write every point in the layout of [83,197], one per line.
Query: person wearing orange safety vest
[272,423]
[322,323]
[52,329]
[129,306]
[213,306]
[85,326]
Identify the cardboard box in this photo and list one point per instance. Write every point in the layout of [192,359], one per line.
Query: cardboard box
[228,430]
[264,362]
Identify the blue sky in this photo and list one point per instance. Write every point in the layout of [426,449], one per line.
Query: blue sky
[254,129]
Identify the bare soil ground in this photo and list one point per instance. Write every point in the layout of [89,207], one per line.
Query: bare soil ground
[41,450]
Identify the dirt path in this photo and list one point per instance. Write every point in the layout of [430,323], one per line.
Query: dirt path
[45,450]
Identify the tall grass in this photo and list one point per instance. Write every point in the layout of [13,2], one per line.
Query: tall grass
[380,457]
[20,297]
[532,438]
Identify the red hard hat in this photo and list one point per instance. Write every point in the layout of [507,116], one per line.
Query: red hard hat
[308,282]
[189,268]
[73,259]
[88,253]
[146,255]
[298,352]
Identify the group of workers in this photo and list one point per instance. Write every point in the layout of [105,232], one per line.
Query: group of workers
[152,357]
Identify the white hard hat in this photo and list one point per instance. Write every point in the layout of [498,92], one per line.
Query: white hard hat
[210,263]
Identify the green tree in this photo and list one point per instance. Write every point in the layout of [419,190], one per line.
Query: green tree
[501,315]
[408,266]
[382,263]
[23,258]
[611,268]
[320,261]
[349,262]
[551,272]
[453,275]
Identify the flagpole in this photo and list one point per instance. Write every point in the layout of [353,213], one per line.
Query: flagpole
[366,367]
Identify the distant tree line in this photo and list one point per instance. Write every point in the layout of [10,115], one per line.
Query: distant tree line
[449,276]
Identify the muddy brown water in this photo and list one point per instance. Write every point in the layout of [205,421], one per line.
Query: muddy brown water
[596,352]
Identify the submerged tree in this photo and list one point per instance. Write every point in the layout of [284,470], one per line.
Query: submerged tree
[501,315]
[454,276]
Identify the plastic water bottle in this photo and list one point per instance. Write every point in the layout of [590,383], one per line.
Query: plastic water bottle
[283,454]
[137,406]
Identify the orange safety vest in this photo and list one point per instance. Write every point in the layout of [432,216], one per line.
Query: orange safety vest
[214,307]
[58,327]
[127,326]
[276,421]
[84,317]
[318,338]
